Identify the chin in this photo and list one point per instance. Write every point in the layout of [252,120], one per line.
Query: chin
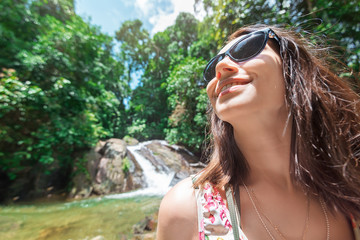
[234,112]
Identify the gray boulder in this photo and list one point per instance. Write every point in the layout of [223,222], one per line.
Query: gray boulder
[110,169]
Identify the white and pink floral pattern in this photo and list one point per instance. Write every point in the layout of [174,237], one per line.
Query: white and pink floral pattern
[215,218]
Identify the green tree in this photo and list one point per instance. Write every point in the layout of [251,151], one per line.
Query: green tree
[188,102]
[148,109]
[134,50]
[326,19]
[61,86]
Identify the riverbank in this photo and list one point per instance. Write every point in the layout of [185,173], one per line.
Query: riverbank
[77,220]
[116,183]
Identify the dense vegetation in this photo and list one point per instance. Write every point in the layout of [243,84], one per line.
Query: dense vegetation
[63,84]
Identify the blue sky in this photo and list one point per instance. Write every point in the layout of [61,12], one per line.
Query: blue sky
[156,15]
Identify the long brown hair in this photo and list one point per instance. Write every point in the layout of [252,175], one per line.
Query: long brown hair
[325,147]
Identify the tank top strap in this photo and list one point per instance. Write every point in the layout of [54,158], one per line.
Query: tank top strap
[356,227]
[199,209]
[213,215]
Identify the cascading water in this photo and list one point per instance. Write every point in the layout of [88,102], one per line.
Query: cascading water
[93,218]
[158,181]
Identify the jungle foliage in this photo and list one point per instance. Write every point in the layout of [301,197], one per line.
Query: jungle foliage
[63,84]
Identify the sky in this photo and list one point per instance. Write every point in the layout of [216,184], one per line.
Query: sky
[156,15]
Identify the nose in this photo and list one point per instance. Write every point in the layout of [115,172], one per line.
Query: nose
[226,67]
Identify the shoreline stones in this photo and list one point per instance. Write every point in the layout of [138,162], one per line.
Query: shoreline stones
[112,168]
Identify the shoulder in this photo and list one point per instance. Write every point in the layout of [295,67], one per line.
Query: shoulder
[178,213]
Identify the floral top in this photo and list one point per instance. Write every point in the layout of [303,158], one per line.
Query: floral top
[214,217]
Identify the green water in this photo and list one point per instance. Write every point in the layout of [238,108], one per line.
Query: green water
[83,220]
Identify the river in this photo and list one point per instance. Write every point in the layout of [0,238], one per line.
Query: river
[76,220]
[111,216]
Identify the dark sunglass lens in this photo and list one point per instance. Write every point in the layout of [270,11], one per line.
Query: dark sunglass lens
[210,70]
[249,47]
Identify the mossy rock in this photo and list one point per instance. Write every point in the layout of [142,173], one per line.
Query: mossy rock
[130,141]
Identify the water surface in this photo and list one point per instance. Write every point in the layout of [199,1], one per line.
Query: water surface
[78,220]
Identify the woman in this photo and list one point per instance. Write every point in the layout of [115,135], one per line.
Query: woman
[285,147]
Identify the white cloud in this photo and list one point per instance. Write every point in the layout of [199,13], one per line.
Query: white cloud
[187,6]
[160,18]
[144,6]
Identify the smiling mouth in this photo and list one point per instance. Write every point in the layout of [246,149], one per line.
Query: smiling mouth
[226,88]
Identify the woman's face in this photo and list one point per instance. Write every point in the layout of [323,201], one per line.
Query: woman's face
[253,87]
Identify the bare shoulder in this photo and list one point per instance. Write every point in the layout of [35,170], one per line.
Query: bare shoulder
[178,213]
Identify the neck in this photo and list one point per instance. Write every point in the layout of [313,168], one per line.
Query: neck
[266,146]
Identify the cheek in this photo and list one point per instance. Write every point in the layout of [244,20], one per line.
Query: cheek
[272,86]
[268,69]
[210,89]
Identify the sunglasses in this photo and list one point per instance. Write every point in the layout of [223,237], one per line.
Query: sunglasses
[247,47]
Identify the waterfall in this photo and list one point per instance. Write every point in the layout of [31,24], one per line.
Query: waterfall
[158,181]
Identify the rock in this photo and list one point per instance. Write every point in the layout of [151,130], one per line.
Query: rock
[146,228]
[112,176]
[172,158]
[148,224]
[85,192]
[186,154]
[156,161]
[82,181]
[167,155]
[107,168]
[98,238]
[149,236]
[93,158]
[178,177]
[146,236]
[107,174]
[114,148]
[112,168]
[131,141]
[136,172]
